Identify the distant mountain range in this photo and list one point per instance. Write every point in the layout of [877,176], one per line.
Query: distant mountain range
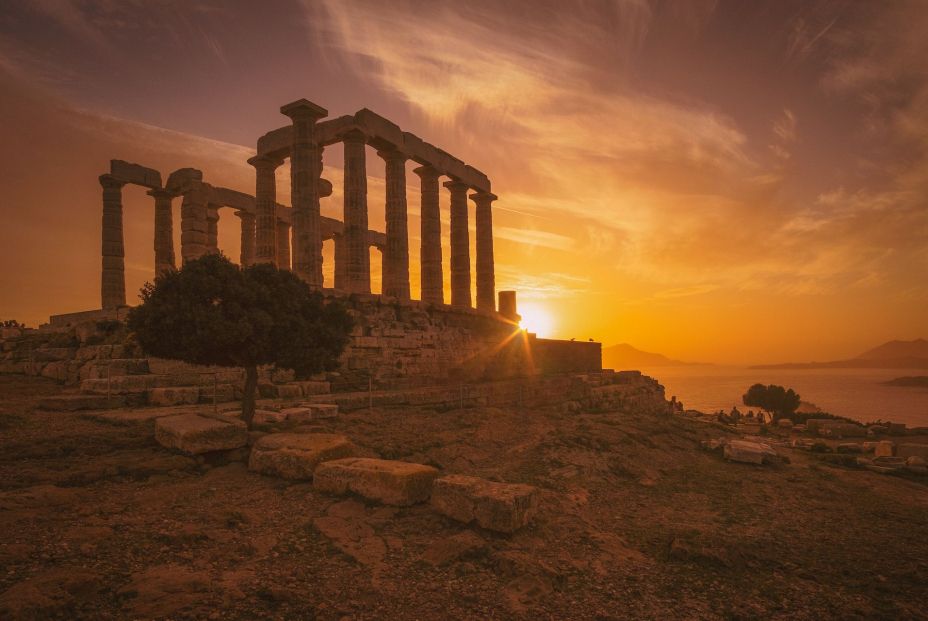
[624,356]
[891,355]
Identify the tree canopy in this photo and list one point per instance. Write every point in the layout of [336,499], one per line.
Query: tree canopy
[774,399]
[212,312]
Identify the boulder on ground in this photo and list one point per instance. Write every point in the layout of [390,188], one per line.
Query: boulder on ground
[174,395]
[748,452]
[390,482]
[503,507]
[70,403]
[288,391]
[296,455]
[268,417]
[195,434]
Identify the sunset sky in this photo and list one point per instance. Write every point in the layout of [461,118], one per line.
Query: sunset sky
[729,181]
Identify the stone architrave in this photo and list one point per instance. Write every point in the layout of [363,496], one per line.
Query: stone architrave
[357,256]
[113,279]
[212,229]
[486,277]
[247,256]
[305,173]
[396,258]
[283,245]
[265,208]
[164,231]
[194,228]
[430,250]
[460,245]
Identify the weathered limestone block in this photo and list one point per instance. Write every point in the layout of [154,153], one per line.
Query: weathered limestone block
[390,482]
[112,367]
[749,452]
[174,395]
[195,434]
[315,387]
[503,507]
[296,455]
[121,384]
[269,417]
[288,391]
[884,448]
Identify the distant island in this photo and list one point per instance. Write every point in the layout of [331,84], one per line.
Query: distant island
[918,381]
[890,355]
[624,356]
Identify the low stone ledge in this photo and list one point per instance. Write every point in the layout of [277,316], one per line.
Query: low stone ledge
[71,403]
[195,434]
[503,507]
[389,482]
[296,455]
[175,395]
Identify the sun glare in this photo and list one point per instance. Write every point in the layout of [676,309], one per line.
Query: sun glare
[536,319]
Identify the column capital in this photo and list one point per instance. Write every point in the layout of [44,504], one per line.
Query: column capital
[427,172]
[303,109]
[212,212]
[265,162]
[161,193]
[355,136]
[483,197]
[392,155]
[456,185]
[110,182]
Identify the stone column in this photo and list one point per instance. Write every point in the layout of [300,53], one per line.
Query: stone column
[113,277]
[194,228]
[460,245]
[212,229]
[247,256]
[343,265]
[357,268]
[305,170]
[430,250]
[265,208]
[283,245]
[164,231]
[486,272]
[396,258]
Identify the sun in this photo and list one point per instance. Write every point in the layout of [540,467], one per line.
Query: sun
[536,319]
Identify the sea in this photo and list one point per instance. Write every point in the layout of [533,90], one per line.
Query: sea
[859,394]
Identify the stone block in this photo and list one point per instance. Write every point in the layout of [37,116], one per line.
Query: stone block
[912,450]
[296,455]
[884,448]
[503,507]
[390,482]
[174,395]
[288,391]
[268,417]
[749,452]
[317,411]
[195,434]
[224,393]
[315,388]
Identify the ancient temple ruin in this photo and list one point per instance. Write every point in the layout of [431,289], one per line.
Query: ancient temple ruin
[291,237]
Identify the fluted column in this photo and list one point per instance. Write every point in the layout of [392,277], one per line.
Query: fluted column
[113,277]
[194,228]
[430,250]
[460,245]
[357,258]
[305,170]
[486,272]
[265,208]
[247,256]
[396,258]
[342,264]
[164,231]
[212,229]
[283,245]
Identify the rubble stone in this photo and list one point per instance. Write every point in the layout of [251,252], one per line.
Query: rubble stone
[390,482]
[749,452]
[503,507]
[296,455]
[195,434]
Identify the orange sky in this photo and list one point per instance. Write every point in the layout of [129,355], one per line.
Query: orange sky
[715,181]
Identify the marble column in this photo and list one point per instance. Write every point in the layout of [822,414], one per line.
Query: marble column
[212,229]
[265,208]
[460,245]
[113,278]
[283,245]
[486,272]
[247,256]
[194,227]
[357,268]
[430,250]
[305,171]
[396,258]
[342,264]
[164,231]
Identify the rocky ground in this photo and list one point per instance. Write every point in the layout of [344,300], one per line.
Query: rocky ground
[97,521]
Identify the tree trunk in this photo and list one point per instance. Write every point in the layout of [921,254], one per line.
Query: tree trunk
[248,399]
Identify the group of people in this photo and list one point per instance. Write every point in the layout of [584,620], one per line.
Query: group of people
[736,416]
